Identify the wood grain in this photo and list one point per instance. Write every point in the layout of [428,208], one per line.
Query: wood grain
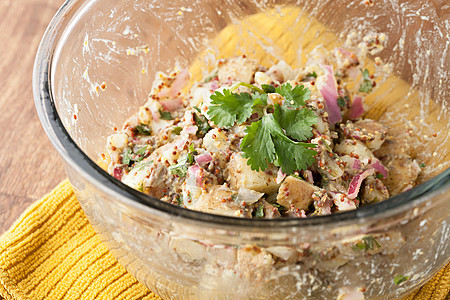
[29,166]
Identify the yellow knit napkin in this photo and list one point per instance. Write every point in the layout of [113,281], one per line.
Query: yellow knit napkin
[52,252]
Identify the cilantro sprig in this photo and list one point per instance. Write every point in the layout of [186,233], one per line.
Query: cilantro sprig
[277,135]
[181,167]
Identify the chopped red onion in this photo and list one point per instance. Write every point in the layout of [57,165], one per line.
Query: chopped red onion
[118,172]
[179,83]
[203,158]
[171,104]
[197,172]
[356,165]
[328,89]
[190,129]
[377,165]
[355,184]
[357,108]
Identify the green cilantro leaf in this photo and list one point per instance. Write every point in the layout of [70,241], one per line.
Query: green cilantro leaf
[179,200]
[202,124]
[165,115]
[259,213]
[400,278]
[143,129]
[177,130]
[366,86]
[294,97]
[186,160]
[422,165]
[229,108]
[296,123]
[268,88]
[265,142]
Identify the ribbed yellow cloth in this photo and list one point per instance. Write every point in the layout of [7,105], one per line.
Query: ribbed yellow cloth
[52,252]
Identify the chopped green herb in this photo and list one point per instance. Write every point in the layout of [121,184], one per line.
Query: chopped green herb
[126,156]
[268,88]
[165,115]
[179,200]
[234,197]
[400,278]
[143,164]
[202,124]
[380,176]
[259,213]
[143,129]
[141,187]
[197,109]
[229,108]
[176,130]
[366,86]
[422,165]
[341,102]
[313,74]
[186,160]
[142,150]
[368,243]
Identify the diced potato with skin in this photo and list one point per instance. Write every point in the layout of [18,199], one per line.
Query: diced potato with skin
[369,132]
[219,201]
[281,72]
[241,175]
[374,191]
[403,173]
[270,211]
[352,147]
[392,148]
[262,78]
[238,69]
[296,193]
[216,141]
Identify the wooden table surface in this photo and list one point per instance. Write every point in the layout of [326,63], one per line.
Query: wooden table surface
[29,165]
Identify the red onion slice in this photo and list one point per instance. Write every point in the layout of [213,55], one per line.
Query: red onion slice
[171,104]
[355,184]
[203,158]
[356,165]
[328,89]
[190,130]
[357,108]
[118,172]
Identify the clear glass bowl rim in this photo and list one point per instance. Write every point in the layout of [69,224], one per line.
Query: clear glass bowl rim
[76,158]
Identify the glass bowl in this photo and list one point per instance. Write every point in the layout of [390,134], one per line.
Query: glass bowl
[95,67]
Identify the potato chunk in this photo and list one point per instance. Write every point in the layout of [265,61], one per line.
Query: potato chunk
[238,69]
[296,192]
[241,175]
[402,175]
[369,132]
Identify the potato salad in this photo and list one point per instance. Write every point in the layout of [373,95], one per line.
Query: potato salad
[255,141]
